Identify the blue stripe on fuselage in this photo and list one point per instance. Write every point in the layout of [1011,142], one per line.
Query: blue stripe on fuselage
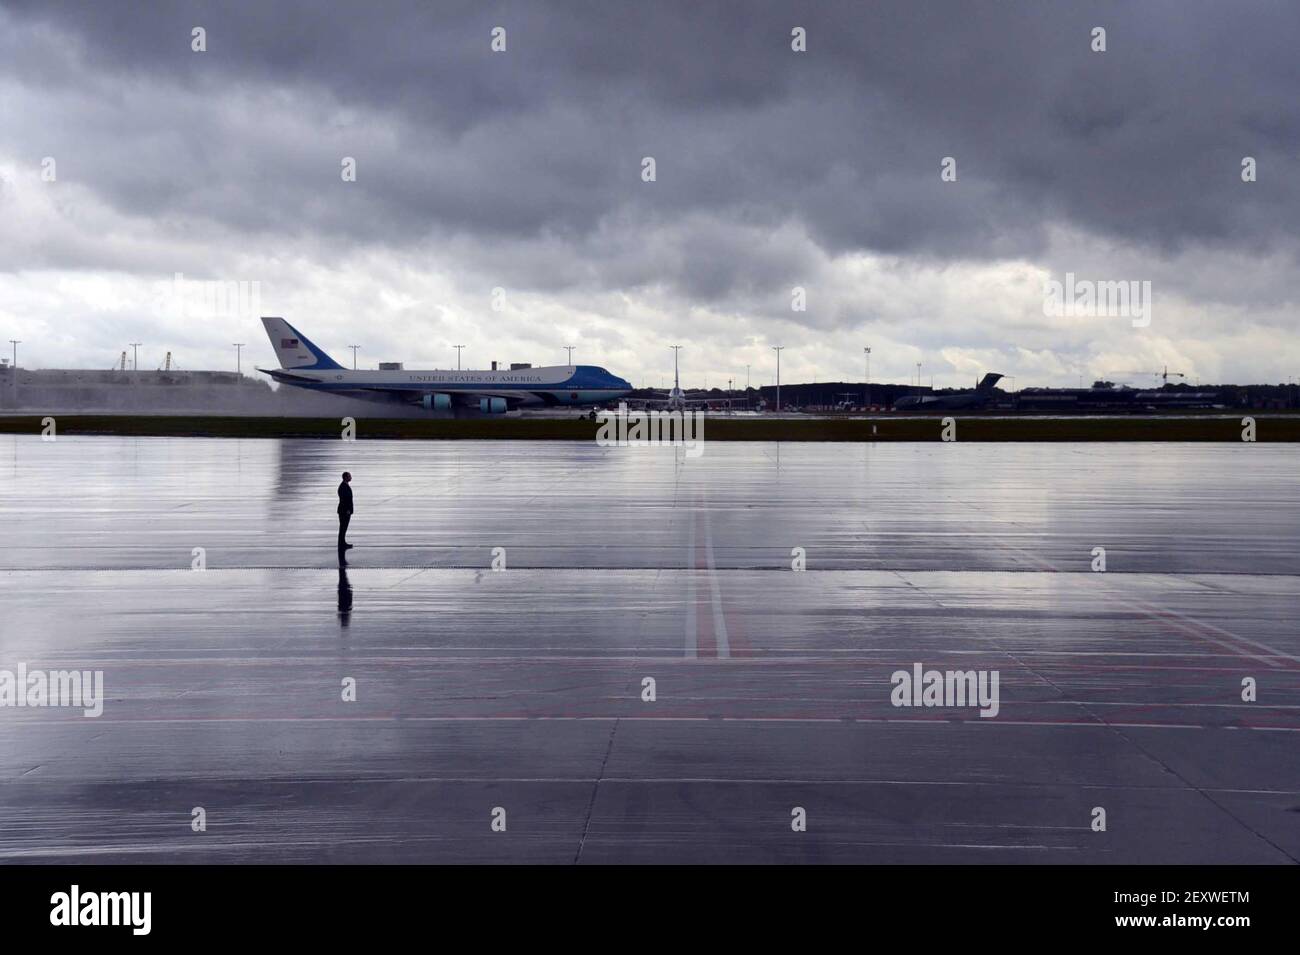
[587,385]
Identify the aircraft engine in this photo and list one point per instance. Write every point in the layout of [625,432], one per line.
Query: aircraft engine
[492,405]
[437,402]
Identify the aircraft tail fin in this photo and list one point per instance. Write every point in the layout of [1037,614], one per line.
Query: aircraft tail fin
[988,382]
[293,348]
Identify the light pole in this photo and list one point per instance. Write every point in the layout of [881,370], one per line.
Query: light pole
[569,349]
[135,355]
[15,342]
[458,348]
[866,392]
[238,367]
[918,374]
[777,349]
[354,356]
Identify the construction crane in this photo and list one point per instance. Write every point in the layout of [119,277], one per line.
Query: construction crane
[1163,375]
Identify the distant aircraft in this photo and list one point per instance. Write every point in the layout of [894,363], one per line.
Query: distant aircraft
[677,400]
[304,365]
[978,398]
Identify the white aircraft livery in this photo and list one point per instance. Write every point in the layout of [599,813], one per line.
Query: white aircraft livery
[304,365]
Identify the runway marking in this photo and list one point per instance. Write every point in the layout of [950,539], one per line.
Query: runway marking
[769,657]
[692,637]
[1159,613]
[1196,629]
[585,780]
[214,849]
[873,567]
[719,621]
[945,722]
[1235,636]
[708,645]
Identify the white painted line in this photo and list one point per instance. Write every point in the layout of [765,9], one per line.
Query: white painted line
[691,636]
[943,723]
[719,624]
[1234,636]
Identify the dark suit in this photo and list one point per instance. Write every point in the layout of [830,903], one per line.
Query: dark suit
[345,511]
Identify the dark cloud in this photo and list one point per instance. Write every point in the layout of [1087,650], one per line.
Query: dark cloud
[1143,140]
[523,168]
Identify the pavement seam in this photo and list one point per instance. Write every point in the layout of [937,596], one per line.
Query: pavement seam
[591,806]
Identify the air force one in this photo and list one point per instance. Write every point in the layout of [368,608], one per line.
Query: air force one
[304,365]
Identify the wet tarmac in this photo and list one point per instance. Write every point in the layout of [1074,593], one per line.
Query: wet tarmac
[523,689]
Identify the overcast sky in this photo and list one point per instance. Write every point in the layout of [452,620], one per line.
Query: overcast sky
[522,170]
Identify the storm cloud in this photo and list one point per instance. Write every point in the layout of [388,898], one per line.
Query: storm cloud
[522,170]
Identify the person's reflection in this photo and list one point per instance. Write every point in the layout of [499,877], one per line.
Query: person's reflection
[345,595]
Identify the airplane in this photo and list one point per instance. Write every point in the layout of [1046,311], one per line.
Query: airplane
[676,399]
[978,398]
[304,365]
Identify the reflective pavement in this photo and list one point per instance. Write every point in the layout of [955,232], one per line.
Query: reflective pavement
[523,689]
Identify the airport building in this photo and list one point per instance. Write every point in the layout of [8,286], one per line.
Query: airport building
[1105,396]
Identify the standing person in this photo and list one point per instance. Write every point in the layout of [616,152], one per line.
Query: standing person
[345,511]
